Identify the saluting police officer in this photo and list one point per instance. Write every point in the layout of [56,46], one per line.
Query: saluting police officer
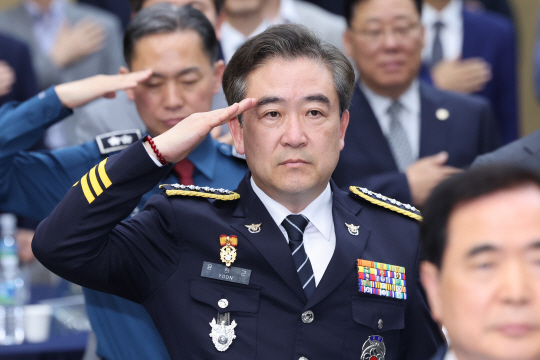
[286,266]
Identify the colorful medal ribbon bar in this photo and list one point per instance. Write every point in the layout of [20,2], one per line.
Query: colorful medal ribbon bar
[381,279]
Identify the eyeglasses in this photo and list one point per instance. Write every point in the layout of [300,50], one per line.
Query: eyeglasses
[376,36]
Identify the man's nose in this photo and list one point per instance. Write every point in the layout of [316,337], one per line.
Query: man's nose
[173,96]
[514,282]
[294,133]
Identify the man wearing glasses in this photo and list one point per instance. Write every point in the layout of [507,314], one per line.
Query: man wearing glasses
[404,136]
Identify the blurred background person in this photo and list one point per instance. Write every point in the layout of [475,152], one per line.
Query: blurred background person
[68,41]
[120,8]
[327,26]
[17,78]
[404,135]
[481,245]
[94,119]
[473,52]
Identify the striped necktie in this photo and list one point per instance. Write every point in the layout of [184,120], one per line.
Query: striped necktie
[294,226]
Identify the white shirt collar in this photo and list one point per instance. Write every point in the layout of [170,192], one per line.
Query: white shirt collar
[450,355]
[232,39]
[318,211]
[56,9]
[447,15]
[410,100]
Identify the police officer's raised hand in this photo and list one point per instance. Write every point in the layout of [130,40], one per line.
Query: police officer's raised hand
[81,92]
[177,142]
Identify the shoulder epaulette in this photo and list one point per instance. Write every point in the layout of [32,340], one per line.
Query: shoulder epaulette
[117,140]
[386,202]
[200,191]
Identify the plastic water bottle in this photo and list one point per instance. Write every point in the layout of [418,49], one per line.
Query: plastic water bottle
[13,290]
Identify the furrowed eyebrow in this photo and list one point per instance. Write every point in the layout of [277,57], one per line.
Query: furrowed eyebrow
[481,249]
[269,100]
[180,73]
[318,98]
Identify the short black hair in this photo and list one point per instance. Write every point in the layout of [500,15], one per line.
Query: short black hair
[288,41]
[166,18]
[136,5]
[462,188]
[350,6]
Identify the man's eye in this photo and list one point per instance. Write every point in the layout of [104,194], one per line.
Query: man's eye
[272,114]
[314,112]
[152,85]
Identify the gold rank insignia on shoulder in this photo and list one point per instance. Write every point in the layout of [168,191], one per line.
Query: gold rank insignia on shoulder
[386,202]
[199,191]
[228,249]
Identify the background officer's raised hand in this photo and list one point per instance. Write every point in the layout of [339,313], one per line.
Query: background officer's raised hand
[81,92]
[177,142]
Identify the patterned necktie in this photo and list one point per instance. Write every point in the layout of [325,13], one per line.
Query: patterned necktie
[184,169]
[397,138]
[437,53]
[295,226]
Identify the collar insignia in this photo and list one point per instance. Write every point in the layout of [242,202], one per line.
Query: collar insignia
[353,229]
[254,228]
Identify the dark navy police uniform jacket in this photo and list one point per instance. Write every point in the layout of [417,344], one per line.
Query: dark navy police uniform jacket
[156,258]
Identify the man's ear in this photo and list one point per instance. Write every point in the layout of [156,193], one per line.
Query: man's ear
[129,92]
[343,124]
[347,46]
[430,278]
[237,132]
[219,68]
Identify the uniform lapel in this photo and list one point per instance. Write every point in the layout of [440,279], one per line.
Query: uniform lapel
[269,241]
[349,247]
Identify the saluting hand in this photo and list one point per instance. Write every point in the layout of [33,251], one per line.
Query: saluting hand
[176,143]
[81,92]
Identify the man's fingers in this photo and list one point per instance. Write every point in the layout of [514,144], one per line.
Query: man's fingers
[229,113]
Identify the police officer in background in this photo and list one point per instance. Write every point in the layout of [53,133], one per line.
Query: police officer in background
[179,47]
[286,266]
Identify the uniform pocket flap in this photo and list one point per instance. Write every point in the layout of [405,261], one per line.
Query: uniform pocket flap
[379,314]
[225,297]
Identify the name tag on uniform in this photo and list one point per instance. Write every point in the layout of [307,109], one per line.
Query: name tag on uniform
[221,272]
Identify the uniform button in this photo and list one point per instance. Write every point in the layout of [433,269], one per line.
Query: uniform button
[303,358]
[380,324]
[307,317]
[223,303]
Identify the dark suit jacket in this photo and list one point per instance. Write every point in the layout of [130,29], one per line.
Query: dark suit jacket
[525,151]
[156,258]
[491,37]
[367,160]
[440,354]
[17,55]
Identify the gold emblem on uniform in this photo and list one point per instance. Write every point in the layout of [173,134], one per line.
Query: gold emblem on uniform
[228,249]
[353,229]
[254,228]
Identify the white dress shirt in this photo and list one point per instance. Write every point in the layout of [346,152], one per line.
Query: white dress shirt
[319,235]
[451,33]
[450,355]
[409,116]
[232,39]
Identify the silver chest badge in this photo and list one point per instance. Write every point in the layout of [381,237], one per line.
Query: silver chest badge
[373,348]
[254,228]
[222,335]
[353,229]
